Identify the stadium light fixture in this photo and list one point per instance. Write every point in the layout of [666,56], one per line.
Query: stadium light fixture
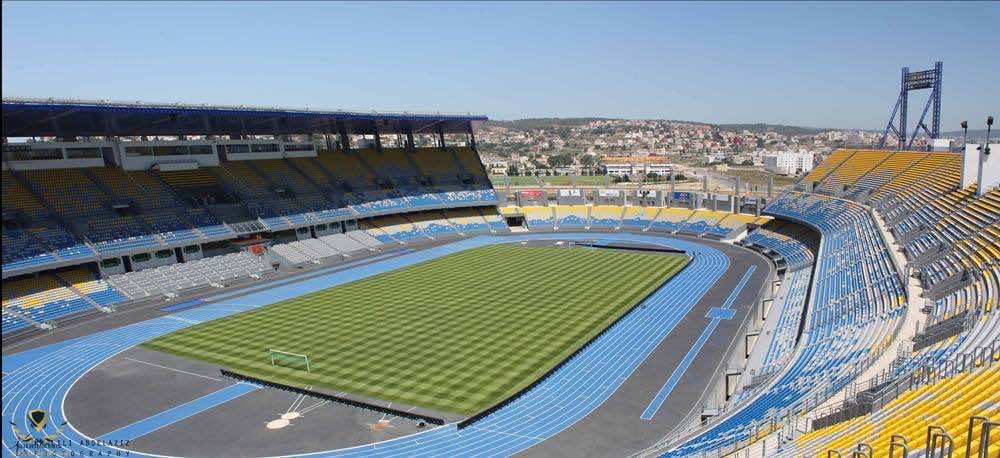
[989,127]
[965,133]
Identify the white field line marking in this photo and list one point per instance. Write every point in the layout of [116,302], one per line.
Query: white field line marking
[505,434]
[294,401]
[314,407]
[172,369]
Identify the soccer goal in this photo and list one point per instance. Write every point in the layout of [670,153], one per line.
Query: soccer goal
[288,359]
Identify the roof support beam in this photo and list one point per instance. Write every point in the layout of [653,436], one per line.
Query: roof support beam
[345,139]
[378,138]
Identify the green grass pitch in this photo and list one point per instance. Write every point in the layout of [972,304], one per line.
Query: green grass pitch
[455,334]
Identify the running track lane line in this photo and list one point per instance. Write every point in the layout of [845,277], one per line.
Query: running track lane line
[173,415]
[679,371]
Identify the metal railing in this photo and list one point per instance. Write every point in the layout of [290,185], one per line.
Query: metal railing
[874,394]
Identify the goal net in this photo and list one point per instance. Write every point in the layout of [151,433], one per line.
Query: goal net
[288,359]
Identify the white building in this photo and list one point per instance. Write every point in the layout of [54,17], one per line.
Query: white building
[788,162]
[625,169]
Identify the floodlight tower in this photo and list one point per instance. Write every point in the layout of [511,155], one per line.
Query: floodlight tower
[915,81]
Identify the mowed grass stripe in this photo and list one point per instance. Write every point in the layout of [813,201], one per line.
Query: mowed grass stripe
[455,334]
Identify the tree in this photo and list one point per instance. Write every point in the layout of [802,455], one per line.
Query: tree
[561,160]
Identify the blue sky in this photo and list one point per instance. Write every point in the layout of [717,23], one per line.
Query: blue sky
[813,64]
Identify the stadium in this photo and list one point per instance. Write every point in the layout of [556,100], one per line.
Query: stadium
[211,280]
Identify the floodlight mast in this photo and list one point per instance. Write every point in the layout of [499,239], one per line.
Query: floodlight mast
[914,81]
[984,153]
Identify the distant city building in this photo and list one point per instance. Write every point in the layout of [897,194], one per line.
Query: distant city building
[788,162]
[640,165]
[942,144]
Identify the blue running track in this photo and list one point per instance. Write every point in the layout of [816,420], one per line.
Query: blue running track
[175,414]
[42,377]
[681,368]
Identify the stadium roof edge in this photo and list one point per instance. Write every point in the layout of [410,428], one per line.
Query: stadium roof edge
[28,117]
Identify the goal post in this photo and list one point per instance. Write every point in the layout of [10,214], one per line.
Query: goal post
[289,359]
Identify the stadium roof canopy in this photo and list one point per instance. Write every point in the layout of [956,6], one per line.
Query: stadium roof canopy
[81,118]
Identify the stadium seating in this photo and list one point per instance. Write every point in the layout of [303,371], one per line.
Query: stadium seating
[70,192]
[494,220]
[539,218]
[858,305]
[169,208]
[670,219]
[12,322]
[126,186]
[821,171]
[53,295]
[84,282]
[390,229]
[470,162]
[913,187]
[394,228]
[571,216]
[795,253]
[607,216]
[346,245]
[951,239]
[848,172]
[692,222]
[173,279]
[15,196]
[468,220]
[112,235]
[346,167]
[885,171]
[21,249]
[948,403]
[634,218]
[702,221]
[790,298]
